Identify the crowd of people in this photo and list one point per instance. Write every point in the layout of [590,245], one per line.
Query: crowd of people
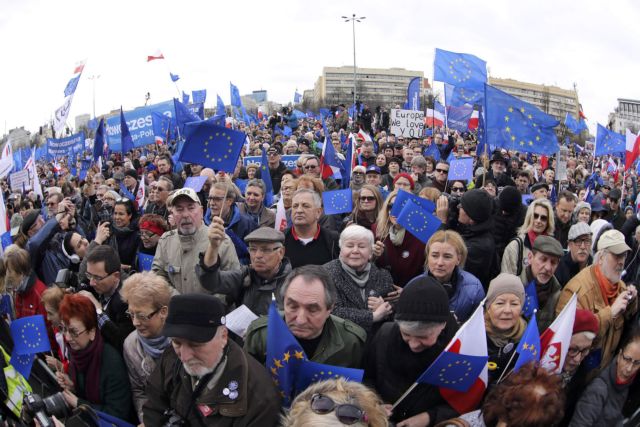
[136,291]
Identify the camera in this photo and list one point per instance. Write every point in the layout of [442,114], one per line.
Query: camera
[42,409]
[67,279]
[174,420]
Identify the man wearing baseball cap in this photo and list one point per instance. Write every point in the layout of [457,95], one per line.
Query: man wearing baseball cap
[207,379]
[601,290]
[579,255]
[177,252]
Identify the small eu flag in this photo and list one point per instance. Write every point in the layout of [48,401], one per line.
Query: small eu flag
[125,135]
[454,371]
[284,355]
[459,69]
[529,345]
[144,261]
[404,196]
[212,146]
[98,142]
[517,125]
[22,363]
[236,100]
[418,221]
[199,96]
[461,169]
[185,98]
[6,240]
[195,182]
[266,178]
[174,77]
[30,335]
[609,142]
[220,107]
[530,299]
[312,372]
[337,201]
[459,96]
[571,123]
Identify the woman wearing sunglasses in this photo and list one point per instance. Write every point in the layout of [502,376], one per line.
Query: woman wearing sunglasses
[97,374]
[538,220]
[337,403]
[367,206]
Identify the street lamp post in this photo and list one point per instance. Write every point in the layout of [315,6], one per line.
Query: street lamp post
[353,20]
[94,78]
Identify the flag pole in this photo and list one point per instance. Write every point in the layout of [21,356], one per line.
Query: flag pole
[404,395]
[507,367]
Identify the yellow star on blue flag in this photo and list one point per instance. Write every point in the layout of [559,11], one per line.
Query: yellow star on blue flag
[30,335]
[454,371]
[212,146]
[459,69]
[312,372]
[418,221]
[608,142]
[404,196]
[337,201]
[22,363]
[513,124]
[529,345]
[461,169]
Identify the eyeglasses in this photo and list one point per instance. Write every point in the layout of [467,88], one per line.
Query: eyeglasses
[142,317]
[272,154]
[614,200]
[51,204]
[582,242]
[255,249]
[158,189]
[367,198]
[457,189]
[442,170]
[310,167]
[345,413]
[573,352]
[215,199]
[72,332]
[97,278]
[541,217]
[629,360]
[147,234]
[357,173]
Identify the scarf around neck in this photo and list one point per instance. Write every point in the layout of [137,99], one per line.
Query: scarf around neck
[500,338]
[154,347]
[88,361]
[609,290]
[360,278]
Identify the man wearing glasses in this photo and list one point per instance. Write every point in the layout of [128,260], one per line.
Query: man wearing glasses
[440,176]
[579,255]
[158,195]
[616,215]
[105,279]
[276,167]
[312,167]
[252,285]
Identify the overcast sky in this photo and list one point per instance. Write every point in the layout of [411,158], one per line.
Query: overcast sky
[283,45]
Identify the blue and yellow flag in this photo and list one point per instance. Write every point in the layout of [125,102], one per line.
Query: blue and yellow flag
[212,146]
[145,261]
[530,300]
[418,221]
[236,100]
[266,178]
[284,355]
[312,372]
[30,335]
[220,107]
[459,69]
[529,346]
[125,135]
[199,96]
[461,169]
[404,196]
[517,125]
[337,201]
[608,141]
[454,371]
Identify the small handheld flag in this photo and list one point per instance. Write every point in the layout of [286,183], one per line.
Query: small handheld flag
[529,345]
[337,201]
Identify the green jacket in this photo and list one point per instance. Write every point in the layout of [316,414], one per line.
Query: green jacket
[342,342]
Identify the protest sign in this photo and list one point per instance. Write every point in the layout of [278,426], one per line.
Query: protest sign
[407,123]
[140,125]
[64,146]
[289,161]
[20,181]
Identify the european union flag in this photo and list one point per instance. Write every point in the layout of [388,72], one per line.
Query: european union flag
[220,107]
[432,150]
[71,86]
[183,114]
[174,77]
[459,96]
[418,221]
[516,125]
[529,345]
[571,123]
[185,98]
[22,363]
[144,261]
[312,372]
[413,94]
[609,142]
[404,196]
[284,355]
[199,96]
[163,126]
[458,117]
[459,69]
[236,100]
[530,299]
[30,335]
[297,98]
[582,125]
[337,201]
[461,169]
[6,239]
[212,146]
[195,182]
[6,308]
[454,371]
[125,135]
[266,178]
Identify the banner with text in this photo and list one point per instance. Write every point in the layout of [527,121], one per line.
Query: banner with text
[289,161]
[65,146]
[140,125]
[407,123]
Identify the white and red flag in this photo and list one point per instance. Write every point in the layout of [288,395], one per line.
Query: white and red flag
[556,339]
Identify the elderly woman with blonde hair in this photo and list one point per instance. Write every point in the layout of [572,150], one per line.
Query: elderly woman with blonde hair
[147,295]
[335,403]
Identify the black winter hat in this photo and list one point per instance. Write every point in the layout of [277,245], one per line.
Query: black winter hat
[510,199]
[423,299]
[477,204]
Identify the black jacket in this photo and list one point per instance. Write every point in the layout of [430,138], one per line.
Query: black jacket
[276,177]
[482,260]
[116,329]
[320,250]
[567,268]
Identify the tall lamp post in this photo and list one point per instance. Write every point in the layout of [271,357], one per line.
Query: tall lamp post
[353,19]
[93,78]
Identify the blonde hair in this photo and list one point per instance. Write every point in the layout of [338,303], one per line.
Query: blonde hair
[341,392]
[450,237]
[528,219]
[146,287]
[430,193]
[383,224]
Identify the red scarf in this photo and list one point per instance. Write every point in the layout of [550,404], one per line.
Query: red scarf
[532,236]
[609,290]
[88,361]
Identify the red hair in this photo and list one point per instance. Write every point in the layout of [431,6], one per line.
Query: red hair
[407,176]
[80,307]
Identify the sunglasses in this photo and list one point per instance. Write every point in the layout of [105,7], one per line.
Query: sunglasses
[442,170]
[367,198]
[538,216]
[345,413]
[457,189]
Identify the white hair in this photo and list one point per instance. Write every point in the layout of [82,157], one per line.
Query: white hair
[358,232]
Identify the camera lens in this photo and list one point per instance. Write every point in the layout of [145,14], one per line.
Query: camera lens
[55,405]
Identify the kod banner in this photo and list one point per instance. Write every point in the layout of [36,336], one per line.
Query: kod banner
[289,161]
[64,146]
[140,125]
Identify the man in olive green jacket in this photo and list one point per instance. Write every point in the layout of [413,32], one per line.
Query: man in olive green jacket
[309,296]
